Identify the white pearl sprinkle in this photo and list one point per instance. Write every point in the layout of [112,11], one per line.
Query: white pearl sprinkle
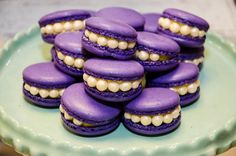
[60,56]
[27,87]
[182,90]
[112,43]
[113,87]
[53,93]
[57,27]
[194,32]
[185,30]
[67,26]
[102,41]
[167,119]
[135,84]
[77,122]
[192,88]
[160,21]
[67,116]
[131,45]
[146,120]
[143,55]
[85,77]
[93,37]
[34,90]
[91,81]
[154,57]
[101,85]
[135,118]
[125,86]
[43,93]
[43,30]
[202,33]
[123,45]
[49,29]
[78,25]
[166,23]
[197,83]
[127,115]
[61,109]
[175,113]
[157,120]
[174,27]
[69,60]
[196,61]
[79,63]
[61,92]
[87,33]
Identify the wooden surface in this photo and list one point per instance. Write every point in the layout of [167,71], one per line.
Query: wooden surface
[18,15]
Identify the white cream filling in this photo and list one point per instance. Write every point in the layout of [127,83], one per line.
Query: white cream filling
[108,41]
[180,28]
[70,118]
[110,85]
[70,61]
[66,26]
[155,120]
[144,56]
[44,93]
[187,88]
[195,61]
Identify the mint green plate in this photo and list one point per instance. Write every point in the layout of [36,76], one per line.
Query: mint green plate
[208,127]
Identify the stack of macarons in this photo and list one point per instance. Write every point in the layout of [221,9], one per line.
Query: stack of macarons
[108,69]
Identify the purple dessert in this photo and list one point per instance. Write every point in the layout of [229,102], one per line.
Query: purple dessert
[68,54]
[62,21]
[44,84]
[113,80]
[183,80]
[155,52]
[151,22]
[185,28]
[124,15]
[83,115]
[156,111]
[192,55]
[107,38]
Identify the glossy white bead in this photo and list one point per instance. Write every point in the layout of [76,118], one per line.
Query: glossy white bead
[160,21]
[43,30]
[113,87]
[78,25]
[49,29]
[69,60]
[154,57]
[27,87]
[34,90]
[167,118]
[53,93]
[192,88]
[197,83]
[174,27]
[61,109]
[77,122]
[143,55]
[85,77]
[135,84]
[201,59]
[185,30]
[60,56]
[67,26]
[166,23]
[93,37]
[196,61]
[61,92]
[112,43]
[131,45]
[175,113]
[57,27]
[127,115]
[182,90]
[101,85]
[201,33]
[102,41]
[43,93]
[91,81]
[146,120]
[79,63]
[157,120]
[86,33]
[123,45]
[125,86]
[194,32]
[135,118]
[67,116]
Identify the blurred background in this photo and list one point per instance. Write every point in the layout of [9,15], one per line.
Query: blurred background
[18,15]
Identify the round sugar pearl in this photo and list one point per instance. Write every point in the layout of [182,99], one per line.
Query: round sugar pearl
[91,81]
[166,23]
[123,45]
[194,32]
[157,120]
[77,122]
[43,93]
[154,57]
[86,33]
[60,56]
[185,30]
[67,26]
[102,41]
[127,115]
[192,88]
[79,63]
[61,109]
[53,93]
[61,92]
[57,27]
[34,90]
[201,33]
[85,77]
[174,27]
[78,25]
[43,30]
[101,85]
[113,87]
[27,87]
[135,118]
[175,113]
[49,29]
[93,37]
[69,60]
[143,55]
[135,84]
[112,43]
[182,90]
[67,116]
[131,45]
[125,86]
[167,118]
[146,120]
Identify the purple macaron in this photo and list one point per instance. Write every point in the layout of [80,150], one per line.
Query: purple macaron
[192,55]
[156,111]
[183,80]
[113,80]
[68,54]
[44,84]
[107,38]
[151,22]
[124,15]
[83,115]
[155,52]
[62,21]
[185,28]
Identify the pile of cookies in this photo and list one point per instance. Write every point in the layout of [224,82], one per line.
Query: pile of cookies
[117,65]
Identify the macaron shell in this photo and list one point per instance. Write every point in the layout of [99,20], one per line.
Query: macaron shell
[153,101]
[111,26]
[188,99]
[191,53]
[46,75]
[81,106]
[187,17]
[151,22]
[135,19]
[117,69]
[158,42]
[70,42]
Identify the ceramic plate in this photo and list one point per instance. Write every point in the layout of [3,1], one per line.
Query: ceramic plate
[208,127]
